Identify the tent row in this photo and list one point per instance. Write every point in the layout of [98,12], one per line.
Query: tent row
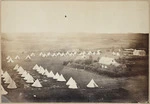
[10,60]
[60,78]
[27,76]
[8,81]
[55,54]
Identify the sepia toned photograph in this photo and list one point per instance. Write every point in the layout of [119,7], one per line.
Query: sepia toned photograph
[74,51]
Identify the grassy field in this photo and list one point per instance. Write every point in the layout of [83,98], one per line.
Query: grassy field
[129,88]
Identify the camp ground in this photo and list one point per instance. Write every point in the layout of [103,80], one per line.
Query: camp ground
[62,74]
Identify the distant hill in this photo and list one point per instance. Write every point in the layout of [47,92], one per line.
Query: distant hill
[54,41]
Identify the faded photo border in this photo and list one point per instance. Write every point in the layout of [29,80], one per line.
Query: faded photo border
[148,1]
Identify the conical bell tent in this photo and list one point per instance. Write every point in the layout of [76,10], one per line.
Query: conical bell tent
[20,69]
[32,54]
[30,79]
[12,85]
[92,84]
[16,67]
[45,72]
[38,69]
[26,77]
[5,74]
[40,54]
[35,67]
[10,60]
[70,81]
[42,71]
[56,76]
[73,85]
[8,57]
[61,78]
[8,80]
[50,75]
[3,91]
[24,74]
[28,58]
[36,84]
[17,57]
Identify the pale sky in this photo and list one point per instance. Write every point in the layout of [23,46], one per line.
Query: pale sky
[92,17]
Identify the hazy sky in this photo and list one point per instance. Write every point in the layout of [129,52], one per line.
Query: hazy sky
[94,17]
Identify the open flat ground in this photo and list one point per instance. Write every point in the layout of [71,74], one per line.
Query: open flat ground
[111,89]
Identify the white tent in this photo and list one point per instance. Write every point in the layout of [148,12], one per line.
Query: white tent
[62,54]
[10,60]
[16,67]
[28,58]
[17,57]
[45,72]
[27,76]
[35,67]
[41,68]
[50,75]
[3,91]
[72,84]
[67,53]
[8,80]
[8,57]
[61,78]
[12,85]
[70,81]
[36,84]
[5,74]
[32,54]
[20,69]
[44,55]
[41,71]
[54,54]
[38,69]
[92,84]
[30,79]
[48,54]
[89,53]
[40,54]
[58,53]
[56,76]
[24,74]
